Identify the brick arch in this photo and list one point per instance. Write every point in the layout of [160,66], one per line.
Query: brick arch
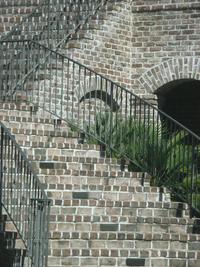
[95,86]
[170,70]
[87,85]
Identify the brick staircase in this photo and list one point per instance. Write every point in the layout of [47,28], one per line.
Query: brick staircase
[101,215]
[12,250]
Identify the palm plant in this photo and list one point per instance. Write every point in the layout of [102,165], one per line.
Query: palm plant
[147,146]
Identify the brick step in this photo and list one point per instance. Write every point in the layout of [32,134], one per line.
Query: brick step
[75,156]
[30,119]
[62,225]
[135,248]
[193,225]
[127,257]
[52,181]
[88,188]
[120,208]
[22,109]
[122,227]
[67,155]
[47,167]
[108,195]
[50,170]
[20,127]
[58,181]
[43,133]
[102,239]
[48,138]
[17,243]
[74,150]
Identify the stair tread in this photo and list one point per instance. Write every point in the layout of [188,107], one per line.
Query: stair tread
[107,188]
[127,204]
[59,144]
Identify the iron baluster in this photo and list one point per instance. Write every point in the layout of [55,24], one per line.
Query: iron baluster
[1,177]
[18,185]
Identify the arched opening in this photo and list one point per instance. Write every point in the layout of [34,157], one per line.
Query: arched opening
[103,96]
[181,100]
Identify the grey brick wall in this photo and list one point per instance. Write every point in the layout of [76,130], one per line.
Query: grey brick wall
[140,44]
[144,44]
[12,12]
[165,42]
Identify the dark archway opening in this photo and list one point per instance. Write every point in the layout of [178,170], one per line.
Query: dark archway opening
[103,96]
[181,100]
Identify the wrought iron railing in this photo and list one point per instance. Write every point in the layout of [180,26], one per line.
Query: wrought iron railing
[128,126]
[24,200]
[53,22]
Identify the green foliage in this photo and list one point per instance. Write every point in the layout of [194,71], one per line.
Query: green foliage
[104,131]
[150,147]
[196,201]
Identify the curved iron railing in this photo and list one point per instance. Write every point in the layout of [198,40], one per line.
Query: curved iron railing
[127,125]
[53,22]
[23,198]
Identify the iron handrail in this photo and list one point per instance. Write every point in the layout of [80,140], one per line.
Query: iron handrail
[24,199]
[10,76]
[128,125]
[60,55]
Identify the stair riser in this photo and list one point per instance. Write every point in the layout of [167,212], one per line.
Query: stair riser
[122,228]
[60,145]
[20,126]
[85,180]
[74,166]
[98,195]
[122,196]
[61,156]
[93,210]
[112,260]
[50,139]
[120,245]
